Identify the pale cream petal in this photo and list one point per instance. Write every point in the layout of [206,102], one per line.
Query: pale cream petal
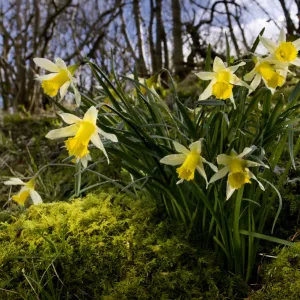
[234,79]
[180,148]
[110,136]
[246,151]
[218,64]
[62,132]
[233,69]
[77,94]
[251,175]
[14,181]
[250,75]
[60,63]
[282,36]
[223,159]
[229,191]
[296,62]
[212,166]
[85,159]
[255,82]
[250,163]
[266,84]
[200,169]
[196,146]
[207,92]
[35,197]
[95,139]
[45,77]
[84,162]
[91,115]
[173,159]
[69,118]
[46,64]
[269,44]
[237,81]
[297,44]
[232,101]
[63,89]
[220,174]
[206,75]
[179,181]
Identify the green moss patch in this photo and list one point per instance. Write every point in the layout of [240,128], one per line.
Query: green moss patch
[104,247]
[282,276]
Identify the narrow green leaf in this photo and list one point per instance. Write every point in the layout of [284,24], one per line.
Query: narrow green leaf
[227,50]
[267,238]
[256,42]
[208,59]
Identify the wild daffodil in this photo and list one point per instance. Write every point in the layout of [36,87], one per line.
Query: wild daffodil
[190,161]
[237,169]
[26,191]
[222,81]
[273,75]
[80,133]
[60,78]
[282,52]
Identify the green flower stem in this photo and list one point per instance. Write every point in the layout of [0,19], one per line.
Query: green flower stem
[78,179]
[238,258]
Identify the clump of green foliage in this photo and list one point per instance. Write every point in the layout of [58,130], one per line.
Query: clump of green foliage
[105,246]
[282,276]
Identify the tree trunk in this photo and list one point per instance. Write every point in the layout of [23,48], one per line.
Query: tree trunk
[141,65]
[178,61]
[233,38]
[289,22]
[151,42]
[159,34]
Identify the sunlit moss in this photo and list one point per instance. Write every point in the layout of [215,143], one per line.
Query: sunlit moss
[106,246]
[282,277]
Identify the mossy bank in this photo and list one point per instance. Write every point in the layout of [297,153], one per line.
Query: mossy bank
[105,247]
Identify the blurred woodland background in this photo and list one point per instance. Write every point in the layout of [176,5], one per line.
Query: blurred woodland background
[147,34]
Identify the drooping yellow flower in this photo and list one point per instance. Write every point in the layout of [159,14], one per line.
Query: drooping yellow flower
[190,161]
[273,75]
[59,80]
[282,52]
[26,191]
[80,133]
[237,169]
[150,83]
[222,81]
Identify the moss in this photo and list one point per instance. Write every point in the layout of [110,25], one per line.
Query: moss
[104,247]
[282,276]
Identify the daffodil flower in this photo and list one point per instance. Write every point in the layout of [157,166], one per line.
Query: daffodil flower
[60,78]
[282,51]
[26,191]
[190,160]
[237,167]
[80,133]
[273,75]
[222,81]
[150,83]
